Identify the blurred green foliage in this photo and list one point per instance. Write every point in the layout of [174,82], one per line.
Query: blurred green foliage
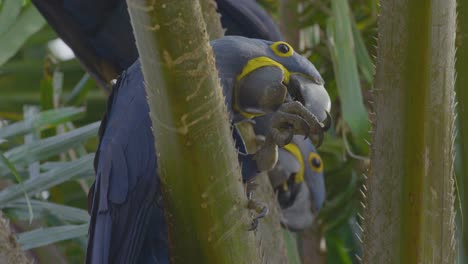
[53,164]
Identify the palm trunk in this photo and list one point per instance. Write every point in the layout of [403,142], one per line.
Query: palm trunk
[410,216]
[211,16]
[203,193]
[10,251]
[462,96]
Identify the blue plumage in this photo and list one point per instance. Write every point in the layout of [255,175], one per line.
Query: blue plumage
[127,200]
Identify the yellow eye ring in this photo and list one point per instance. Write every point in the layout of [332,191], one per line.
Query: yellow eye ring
[282,49]
[315,162]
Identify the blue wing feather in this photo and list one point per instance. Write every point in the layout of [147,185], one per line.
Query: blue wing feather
[126,201]
[92,29]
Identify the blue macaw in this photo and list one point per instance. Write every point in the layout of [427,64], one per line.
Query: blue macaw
[297,178]
[126,196]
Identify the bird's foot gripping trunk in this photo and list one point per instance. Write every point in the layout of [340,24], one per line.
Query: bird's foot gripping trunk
[293,118]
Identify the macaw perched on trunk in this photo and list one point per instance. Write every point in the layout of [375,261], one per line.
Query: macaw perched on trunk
[126,201]
[127,223]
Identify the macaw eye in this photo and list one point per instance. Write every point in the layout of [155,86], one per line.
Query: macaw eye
[315,162]
[282,49]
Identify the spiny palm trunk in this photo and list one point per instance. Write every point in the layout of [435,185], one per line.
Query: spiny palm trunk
[10,251]
[462,97]
[410,216]
[203,192]
[212,19]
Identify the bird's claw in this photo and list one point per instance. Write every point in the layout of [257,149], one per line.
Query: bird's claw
[295,119]
[314,126]
[260,208]
[291,119]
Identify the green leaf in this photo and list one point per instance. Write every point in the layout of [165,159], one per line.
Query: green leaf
[10,11]
[49,147]
[28,23]
[337,251]
[341,46]
[80,149]
[63,212]
[57,84]
[21,187]
[364,60]
[80,91]
[290,239]
[43,120]
[80,168]
[45,236]
[29,111]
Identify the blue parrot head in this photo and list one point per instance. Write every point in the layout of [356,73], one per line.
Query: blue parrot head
[304,82]
[298,179]
[242,56]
